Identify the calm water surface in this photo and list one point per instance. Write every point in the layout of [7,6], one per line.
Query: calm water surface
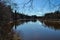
[37,31]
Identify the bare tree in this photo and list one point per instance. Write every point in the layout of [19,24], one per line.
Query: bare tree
[31,4]
[54,5]
[50,3]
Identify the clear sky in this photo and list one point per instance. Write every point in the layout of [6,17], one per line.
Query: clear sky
[40,7]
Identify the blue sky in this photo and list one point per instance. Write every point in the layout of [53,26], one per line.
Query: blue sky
[40,7]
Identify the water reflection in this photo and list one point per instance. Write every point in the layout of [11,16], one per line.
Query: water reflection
[55,25]
[30,30]
[19,22]
[7,32]
[38,30]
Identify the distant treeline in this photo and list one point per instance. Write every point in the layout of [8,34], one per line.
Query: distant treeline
[6,15]
[52,15]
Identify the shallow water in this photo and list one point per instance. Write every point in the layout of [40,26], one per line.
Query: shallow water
[37,30]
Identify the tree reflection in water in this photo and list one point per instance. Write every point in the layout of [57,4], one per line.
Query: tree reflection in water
[7,32]
[52,24]
[49,24]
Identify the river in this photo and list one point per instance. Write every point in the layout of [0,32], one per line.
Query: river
[37,30]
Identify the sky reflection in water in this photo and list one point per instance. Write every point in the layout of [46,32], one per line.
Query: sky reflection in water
[37,30]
